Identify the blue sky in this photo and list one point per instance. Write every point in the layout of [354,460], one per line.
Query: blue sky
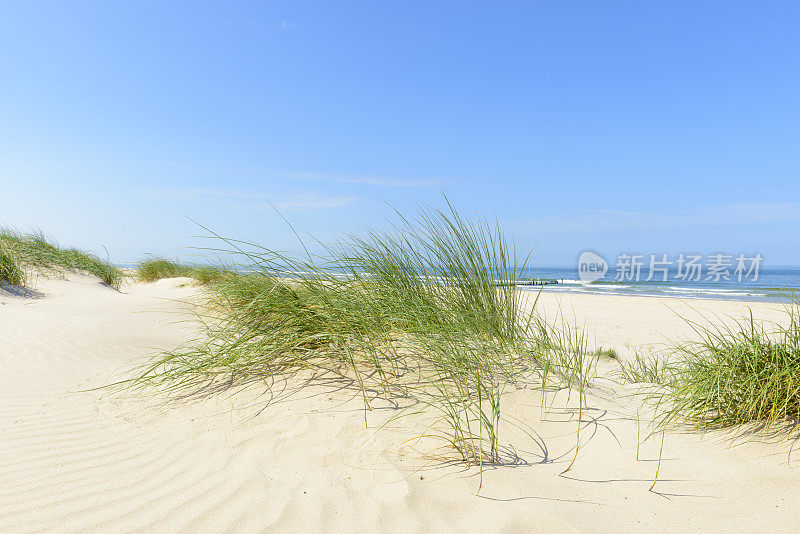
[615,126]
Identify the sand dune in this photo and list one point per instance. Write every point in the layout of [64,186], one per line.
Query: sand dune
[279,456]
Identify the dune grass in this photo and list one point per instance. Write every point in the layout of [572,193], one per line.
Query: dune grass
[611,354]
[746,373]
[414,313]
[154,269]
[10,271]
[654,369]
[158,268]
[38,252]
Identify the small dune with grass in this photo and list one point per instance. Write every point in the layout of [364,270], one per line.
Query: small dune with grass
[394,380]
[744,373]
[37,253]
[415,313]
[153,269]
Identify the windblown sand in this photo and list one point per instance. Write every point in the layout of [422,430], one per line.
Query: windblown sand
[285,457]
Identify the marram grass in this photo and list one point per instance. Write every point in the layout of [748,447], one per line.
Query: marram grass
[653,370]
[748,373]
[37,252]
[157,268]
[10,271]
[154,269]
[413,313]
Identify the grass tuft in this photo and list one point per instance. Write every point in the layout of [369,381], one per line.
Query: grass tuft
[425,312]
[747,373]
[652,370]
[10,271]
[158,268]
[38,252]
[611,354]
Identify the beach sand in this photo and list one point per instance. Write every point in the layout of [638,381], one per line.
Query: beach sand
[287,457]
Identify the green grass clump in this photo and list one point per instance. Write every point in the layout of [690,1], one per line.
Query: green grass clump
[10,271]
[748,373]
[611,354]
[158,268]
[652,370]
[36,251]
[414,315]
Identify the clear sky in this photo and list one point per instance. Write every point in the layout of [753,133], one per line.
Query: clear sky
[617,126]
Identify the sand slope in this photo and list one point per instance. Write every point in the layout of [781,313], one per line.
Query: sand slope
[301,459]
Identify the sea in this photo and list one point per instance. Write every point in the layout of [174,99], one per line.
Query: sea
[774,284]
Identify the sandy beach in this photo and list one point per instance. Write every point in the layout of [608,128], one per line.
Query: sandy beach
[399,267]
[281,457]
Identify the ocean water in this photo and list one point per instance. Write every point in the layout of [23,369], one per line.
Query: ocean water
[773,284]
